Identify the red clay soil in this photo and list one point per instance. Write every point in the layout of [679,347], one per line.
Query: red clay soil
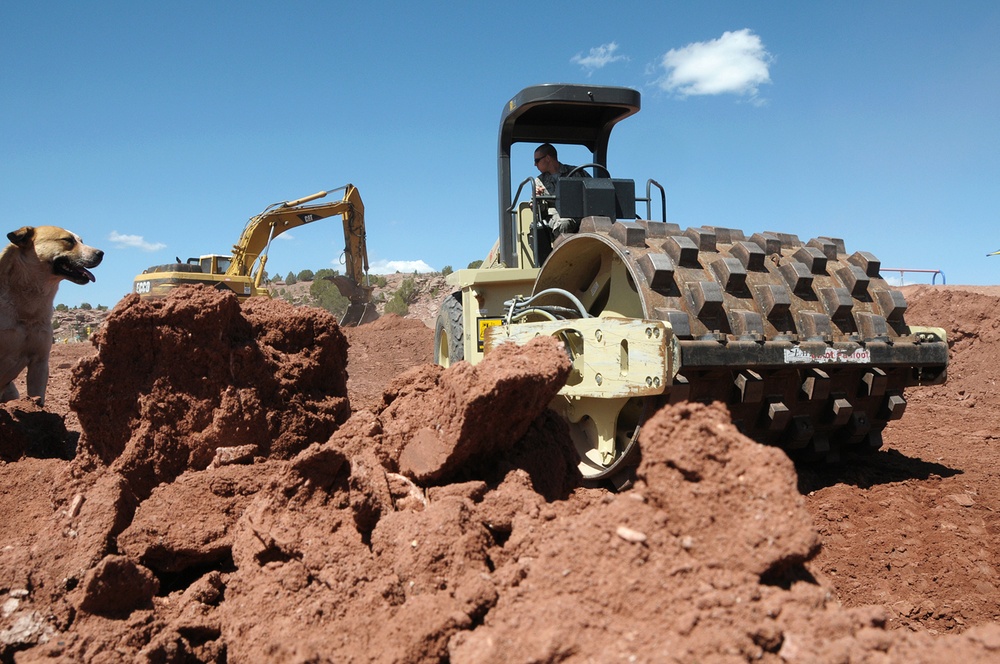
[216,483]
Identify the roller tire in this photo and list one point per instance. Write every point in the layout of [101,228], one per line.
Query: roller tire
[449,339]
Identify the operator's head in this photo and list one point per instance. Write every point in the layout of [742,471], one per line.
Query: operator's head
[546,158]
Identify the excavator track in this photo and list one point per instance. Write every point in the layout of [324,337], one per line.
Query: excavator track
[805,344]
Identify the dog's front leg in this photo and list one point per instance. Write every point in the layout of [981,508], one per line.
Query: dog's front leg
[9,393]
[38,379]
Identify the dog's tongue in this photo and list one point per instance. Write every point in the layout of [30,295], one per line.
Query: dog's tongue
[87,273]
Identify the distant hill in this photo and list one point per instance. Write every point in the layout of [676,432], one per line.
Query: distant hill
[427,291]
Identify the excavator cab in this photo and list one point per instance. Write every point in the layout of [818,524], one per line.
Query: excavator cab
[212,263]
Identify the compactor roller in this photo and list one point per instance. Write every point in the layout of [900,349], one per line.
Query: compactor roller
[805,343]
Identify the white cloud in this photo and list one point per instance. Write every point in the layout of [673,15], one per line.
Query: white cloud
[735,63]
[391,267]
[598,57]
[133,242]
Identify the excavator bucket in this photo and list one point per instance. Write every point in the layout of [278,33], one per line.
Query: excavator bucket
[361,310]
[359,314]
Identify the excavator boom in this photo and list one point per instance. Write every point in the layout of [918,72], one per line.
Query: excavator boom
[250,253]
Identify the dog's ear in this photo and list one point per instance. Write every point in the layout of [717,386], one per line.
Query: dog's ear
[22,236]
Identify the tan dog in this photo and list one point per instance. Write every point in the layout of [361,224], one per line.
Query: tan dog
[31,267]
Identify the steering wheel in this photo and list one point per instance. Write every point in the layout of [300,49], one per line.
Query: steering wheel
[580,168]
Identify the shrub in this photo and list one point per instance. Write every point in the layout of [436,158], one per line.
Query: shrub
[396,305]
[475,265]
[408,290]
[446,270]
[306,275]
[327,296]
[400,301]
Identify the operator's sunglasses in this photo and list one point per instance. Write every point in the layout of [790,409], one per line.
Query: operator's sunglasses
[538,159]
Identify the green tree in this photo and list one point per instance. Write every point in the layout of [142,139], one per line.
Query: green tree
[306,275]
[326,296]
[326,272]
[379,281]
[85,306]
[408,290]
[475,265]
[290,279]
[396,305]
[61,307]
[401,300]
[446,270]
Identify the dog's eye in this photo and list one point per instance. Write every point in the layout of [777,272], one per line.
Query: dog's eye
[70,241]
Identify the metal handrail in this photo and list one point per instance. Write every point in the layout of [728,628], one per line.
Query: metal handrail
[901,270]
[648,200]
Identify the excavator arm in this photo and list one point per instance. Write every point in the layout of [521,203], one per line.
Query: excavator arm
[250,254]
[354,286]
[355,251]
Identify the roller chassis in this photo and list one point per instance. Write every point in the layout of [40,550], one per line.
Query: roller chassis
[806,344]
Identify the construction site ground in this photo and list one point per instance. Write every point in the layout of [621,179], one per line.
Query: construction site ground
[215,483]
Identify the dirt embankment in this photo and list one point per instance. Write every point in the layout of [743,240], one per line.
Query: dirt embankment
[217,483]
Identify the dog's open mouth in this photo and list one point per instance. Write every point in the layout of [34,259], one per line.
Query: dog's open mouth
[75,273]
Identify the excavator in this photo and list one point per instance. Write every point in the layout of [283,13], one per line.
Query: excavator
[243,271]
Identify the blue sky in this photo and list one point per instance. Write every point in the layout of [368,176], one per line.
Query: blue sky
[156,130]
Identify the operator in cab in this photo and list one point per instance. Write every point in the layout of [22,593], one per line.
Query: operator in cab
[550,170]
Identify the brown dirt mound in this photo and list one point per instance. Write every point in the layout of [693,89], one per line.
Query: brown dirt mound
[380,350]
[176,379]
[915,528]
[442,520]
[442,420]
